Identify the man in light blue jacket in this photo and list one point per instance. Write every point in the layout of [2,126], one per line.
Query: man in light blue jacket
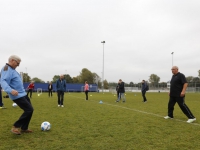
[61,88]
[12,84]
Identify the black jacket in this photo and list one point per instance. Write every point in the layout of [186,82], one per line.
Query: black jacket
[50,88]
[121,88]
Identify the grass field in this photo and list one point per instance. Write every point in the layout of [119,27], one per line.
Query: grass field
[89,125]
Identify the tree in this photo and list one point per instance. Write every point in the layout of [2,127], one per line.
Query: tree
[26,77]
[55,78]
[154,79]
[131,84]
[189,78]
[105,84]
[86,75]
[37,80]
[196,79]
[199,73]
[68,78]
[75,79]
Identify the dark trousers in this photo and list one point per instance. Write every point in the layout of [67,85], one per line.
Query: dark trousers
[143,95]
[50,93]
[25,104]
[60,97]
[86,94]
[1,103]
[30,91]
[182,105]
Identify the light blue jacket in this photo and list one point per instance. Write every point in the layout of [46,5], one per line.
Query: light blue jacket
[11,80]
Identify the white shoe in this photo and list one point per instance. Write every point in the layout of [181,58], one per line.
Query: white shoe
[62,105]
[191,120]
[58,105]
[167,117]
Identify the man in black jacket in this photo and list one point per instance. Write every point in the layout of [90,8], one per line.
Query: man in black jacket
[143,89]
[121,91]
[50,88]
[178,86]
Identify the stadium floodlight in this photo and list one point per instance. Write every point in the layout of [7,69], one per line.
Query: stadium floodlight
[103,66]
[172,58]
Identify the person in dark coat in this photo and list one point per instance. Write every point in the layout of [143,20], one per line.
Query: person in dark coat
[50,89]
[121,91]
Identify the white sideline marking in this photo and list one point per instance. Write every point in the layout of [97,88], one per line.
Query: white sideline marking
[139,111]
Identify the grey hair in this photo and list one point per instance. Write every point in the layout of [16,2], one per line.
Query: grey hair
[15,57]
[175,67]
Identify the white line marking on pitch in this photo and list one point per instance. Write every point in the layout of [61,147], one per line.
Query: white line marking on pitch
[105,103]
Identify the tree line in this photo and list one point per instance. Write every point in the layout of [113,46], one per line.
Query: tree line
[91,77]
[85,75]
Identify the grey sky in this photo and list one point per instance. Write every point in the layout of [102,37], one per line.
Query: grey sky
[63,36]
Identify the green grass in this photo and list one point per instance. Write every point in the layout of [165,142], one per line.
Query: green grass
[88,125]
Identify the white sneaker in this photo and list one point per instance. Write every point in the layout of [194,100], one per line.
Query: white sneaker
[58,105]
[191,120]
[167,117]
[62,105]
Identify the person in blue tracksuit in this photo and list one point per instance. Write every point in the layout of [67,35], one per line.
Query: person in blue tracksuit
[61,88]
[12,84]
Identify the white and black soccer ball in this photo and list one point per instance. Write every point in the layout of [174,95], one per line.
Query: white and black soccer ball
[14,105]
[45,126]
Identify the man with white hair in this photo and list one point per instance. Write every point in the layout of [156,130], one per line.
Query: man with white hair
[61,88]
[12,84]
[178,86]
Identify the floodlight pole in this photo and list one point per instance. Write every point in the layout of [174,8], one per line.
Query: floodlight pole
[172,58]
[103,66]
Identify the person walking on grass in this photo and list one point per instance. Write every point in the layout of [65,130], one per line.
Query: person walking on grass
[61,88]
[12,84]
[86,89]
[50,88]
[178,86]
[143,90]
[121,91]
[30,88]
[117,89]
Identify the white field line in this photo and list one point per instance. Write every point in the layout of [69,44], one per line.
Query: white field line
[152,114]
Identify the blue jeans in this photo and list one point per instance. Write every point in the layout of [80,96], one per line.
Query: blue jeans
[121,96]
[24,120]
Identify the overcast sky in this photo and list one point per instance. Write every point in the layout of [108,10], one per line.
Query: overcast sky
[55,37]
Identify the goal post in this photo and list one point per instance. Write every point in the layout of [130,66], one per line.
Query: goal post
[39,91]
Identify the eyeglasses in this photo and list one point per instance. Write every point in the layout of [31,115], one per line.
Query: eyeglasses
[16,61]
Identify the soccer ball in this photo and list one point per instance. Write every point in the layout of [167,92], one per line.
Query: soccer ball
[14,105]
[45,126]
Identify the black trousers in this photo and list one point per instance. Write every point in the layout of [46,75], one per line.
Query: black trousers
[143,95]
[182,105]
[50,93]
[1,103]
[86,94]
[30,91]
[24,120]
[60,97]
